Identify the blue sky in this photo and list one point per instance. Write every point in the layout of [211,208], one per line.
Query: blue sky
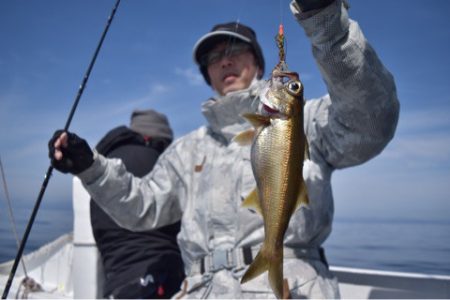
[146,62]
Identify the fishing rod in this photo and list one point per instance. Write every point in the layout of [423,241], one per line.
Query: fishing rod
[50,168]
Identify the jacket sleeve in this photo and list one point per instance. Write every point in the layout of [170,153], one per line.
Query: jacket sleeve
[135,203]
[358,116]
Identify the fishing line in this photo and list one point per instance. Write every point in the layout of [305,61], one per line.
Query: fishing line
[280,40]
[281,12]
[231,41]
[240,10]
[10,214]
[50,168]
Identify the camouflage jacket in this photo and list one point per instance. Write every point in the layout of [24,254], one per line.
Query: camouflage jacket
[203,177]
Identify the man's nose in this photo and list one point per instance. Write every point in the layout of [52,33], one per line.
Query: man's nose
[226,61]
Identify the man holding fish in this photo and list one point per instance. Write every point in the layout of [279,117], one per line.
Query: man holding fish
[208,180]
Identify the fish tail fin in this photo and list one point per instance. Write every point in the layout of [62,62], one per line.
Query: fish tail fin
[276,275]
[274,265]
[259,265]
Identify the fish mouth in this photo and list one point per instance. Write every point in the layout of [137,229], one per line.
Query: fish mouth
[270,110]
[267,105]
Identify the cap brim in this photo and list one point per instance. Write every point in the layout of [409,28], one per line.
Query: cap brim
[206,41]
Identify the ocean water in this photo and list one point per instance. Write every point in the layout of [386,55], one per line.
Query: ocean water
[394,245]
[381,244]
[50,223]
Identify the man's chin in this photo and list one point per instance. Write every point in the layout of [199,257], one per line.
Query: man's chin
[232,87]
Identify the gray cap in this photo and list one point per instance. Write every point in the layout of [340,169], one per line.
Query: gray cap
[151,123]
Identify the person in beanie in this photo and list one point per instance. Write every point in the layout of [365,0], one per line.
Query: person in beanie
[202,178]
[137,265]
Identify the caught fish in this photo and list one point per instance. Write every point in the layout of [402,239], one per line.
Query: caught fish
[278,149]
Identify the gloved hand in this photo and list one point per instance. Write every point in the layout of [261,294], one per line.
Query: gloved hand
[69,153]
[307,5]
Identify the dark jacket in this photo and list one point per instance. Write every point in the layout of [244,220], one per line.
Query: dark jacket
[136,264]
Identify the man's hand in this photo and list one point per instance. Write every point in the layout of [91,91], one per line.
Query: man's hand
[308,5]
[69,153]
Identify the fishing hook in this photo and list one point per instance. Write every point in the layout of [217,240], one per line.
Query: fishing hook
[50,168]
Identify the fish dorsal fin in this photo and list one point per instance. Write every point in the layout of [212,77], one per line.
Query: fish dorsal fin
[307,154]
[302,197]
[252,201]
[257,120]
[245,138]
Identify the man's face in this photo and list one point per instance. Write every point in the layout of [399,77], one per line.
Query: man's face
[231,69]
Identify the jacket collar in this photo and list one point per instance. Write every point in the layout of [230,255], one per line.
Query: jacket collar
[223,113]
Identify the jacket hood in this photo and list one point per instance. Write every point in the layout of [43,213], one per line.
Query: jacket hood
[224,113]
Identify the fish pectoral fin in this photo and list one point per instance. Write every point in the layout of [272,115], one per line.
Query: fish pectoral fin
[302,197]
[252,201]
[244,138]
[257,120]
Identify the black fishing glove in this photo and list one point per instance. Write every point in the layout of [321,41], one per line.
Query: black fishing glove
[77,156]
[307,5]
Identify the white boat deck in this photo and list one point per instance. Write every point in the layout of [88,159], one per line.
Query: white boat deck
[50,266]
[374,284]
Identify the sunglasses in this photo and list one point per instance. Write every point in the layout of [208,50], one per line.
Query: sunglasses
[215,56]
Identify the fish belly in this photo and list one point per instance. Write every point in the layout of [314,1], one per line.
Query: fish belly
[277,168]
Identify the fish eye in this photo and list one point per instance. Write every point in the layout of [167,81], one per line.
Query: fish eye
[294,87]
